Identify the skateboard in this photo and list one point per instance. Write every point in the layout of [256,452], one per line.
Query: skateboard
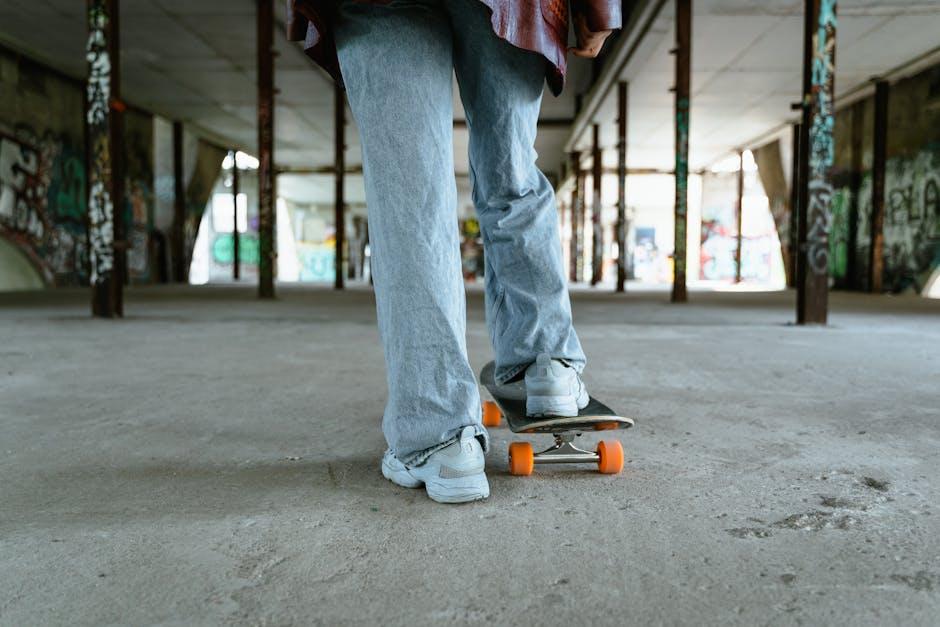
[509,402]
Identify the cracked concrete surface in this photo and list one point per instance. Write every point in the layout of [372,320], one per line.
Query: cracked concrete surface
[214,459]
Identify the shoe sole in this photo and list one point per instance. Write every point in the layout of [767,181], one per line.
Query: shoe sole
[474,488]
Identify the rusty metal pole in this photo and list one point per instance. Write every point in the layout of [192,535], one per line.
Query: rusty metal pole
[236,236]
[575,210]
[339,210]
[876,250]
[622,95]
[177,233]
[740,219]
[266,216]
[683,53]
[793,258]
[597,235]
[105,205]
[816,161]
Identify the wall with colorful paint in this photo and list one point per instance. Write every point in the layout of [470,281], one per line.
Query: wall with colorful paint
[44,187]
[43,205]
[912,188]
[43,184]
[762,262]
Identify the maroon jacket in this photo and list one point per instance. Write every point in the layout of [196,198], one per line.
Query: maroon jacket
[537,25]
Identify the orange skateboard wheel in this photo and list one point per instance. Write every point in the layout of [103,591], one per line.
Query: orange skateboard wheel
[611,457]
[492,417]
[521,459]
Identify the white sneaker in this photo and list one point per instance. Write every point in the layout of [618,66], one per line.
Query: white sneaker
[553,389]
[453,474]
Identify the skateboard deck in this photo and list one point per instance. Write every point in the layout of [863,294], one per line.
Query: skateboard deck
[509,400]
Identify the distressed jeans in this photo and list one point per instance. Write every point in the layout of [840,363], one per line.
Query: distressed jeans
[398,62]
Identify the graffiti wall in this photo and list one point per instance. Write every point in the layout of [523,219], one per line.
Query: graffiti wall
[43,204]
[719,227]
[761,258]
[911,227]
[139,200]
[912,188]
[218,229]
[43,179]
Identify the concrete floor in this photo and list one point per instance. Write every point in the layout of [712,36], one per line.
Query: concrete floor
[214,459]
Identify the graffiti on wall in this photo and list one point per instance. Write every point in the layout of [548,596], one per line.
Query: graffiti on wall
[911,225]
[100,206]
[839,233]
[912,219]
[42,202]
[718,260]
[139,196]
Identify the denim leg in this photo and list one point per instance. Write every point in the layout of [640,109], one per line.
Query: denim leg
[397,63]
[527,305]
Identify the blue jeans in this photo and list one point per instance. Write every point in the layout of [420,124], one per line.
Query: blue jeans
[397,62]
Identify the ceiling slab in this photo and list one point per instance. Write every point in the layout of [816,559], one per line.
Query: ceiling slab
[747,70]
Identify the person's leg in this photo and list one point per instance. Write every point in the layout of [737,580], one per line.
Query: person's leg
[396,62]
[528,309]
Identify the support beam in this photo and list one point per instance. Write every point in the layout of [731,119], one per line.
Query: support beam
[177,236]
[266,216]
[793,258]
[575,212]
[105,141]
[622,96]
[876,260]
[683,53]
[597,234]
[236,236]
[339,167]
[738,258]
[582,221]
[819,46]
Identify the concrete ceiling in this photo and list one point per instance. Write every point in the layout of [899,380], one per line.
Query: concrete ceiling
[747,70]
[195,61]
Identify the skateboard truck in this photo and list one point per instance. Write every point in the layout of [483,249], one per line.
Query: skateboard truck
[564,452]
[608,456]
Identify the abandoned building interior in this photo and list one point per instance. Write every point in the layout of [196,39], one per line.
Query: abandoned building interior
[192,378]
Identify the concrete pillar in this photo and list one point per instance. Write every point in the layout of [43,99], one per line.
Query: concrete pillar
[266,215]
[597,235]
[107,249]
[793,258]
[622,95]
[816,161]
[738,258]
[177,235]
[876,261]
[339,208]
[575,212]
[683,53]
